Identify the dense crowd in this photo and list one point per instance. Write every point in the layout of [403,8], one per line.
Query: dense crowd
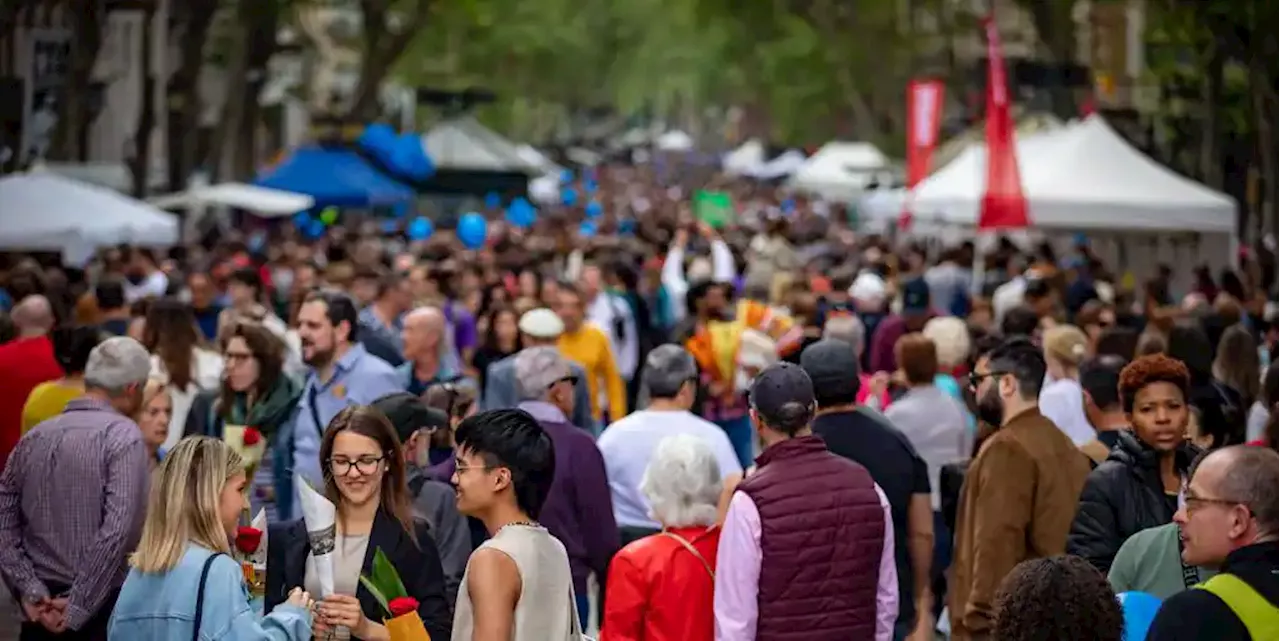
[649,427]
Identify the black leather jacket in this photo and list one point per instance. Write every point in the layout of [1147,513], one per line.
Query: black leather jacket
[1121,497]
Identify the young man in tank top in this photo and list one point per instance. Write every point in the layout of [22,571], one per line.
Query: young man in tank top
[517,585]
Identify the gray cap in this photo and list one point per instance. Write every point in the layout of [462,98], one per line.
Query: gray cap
[832,365]
[537,369]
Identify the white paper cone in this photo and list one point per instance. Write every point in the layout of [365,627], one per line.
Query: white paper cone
[319,516]
[259,522]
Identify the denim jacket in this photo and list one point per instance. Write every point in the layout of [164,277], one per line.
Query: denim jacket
[162,607]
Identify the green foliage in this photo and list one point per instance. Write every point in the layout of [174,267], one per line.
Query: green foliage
[384,583]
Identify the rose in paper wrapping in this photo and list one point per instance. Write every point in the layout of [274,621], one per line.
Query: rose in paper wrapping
[318,514]
[248,539]
[404,623]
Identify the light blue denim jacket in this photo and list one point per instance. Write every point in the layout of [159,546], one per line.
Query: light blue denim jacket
[162,607]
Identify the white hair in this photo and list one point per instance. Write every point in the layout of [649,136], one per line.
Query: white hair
[682,482]
[950,336]
[116,364]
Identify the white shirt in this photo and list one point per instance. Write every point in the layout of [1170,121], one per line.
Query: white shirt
[626,350]
[1062,401]
[153,286]
[628,445]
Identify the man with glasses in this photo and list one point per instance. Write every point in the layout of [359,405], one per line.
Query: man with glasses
[1020,492]
[1228,515]
[433,500]
[579,510]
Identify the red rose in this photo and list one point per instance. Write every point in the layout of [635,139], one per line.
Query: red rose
[248,539]
[252,436]
[401,606]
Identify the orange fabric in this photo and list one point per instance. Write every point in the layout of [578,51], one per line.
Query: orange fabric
[659,591]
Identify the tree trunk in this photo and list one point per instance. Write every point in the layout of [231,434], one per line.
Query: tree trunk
[382,48]
[244,81]
[259,49]
[183,91]
[88,20]
[1210,164]
[141,163]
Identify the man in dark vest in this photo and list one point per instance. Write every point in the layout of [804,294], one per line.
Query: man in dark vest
[807,547]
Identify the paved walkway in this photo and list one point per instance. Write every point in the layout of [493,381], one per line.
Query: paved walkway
[9,618]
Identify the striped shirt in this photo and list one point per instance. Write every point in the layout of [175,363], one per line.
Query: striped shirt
[72,502]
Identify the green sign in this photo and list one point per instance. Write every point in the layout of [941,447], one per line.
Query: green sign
[713,207]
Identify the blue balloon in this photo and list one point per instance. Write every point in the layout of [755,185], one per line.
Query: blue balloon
[594,209]
[315,229]
[1140,610]
[587,229]
[420,229]
[627,226]
[788,206]
[590,186]
[492,200]
[569,196]
[566,176]
[521,214]
[302,219]
[472,230]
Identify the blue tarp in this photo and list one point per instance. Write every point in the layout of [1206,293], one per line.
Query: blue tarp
[335,178]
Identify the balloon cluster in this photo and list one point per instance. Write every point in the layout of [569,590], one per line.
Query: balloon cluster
[403,154]
[313,226]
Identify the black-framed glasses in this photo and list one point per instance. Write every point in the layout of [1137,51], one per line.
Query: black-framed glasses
[975,379]
[365,465]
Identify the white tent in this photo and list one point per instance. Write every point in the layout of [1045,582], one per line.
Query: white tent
[464,144]
[1082,177]
[45,212]
[840,169]
[746,159]
[531,155]
[782,166]
[262,201]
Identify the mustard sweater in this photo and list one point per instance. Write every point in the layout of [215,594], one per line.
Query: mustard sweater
[589,347]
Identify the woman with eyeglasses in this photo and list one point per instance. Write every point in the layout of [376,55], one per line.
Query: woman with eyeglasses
[365,479]
[1137,486]
[255,393]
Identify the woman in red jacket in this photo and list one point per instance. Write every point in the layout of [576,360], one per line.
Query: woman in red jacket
[660,588]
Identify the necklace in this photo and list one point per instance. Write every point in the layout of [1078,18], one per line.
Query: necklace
[534,524]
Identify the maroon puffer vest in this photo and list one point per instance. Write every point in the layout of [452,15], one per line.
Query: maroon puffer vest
[821,535]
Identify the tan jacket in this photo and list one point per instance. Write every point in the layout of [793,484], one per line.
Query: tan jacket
[1019,497]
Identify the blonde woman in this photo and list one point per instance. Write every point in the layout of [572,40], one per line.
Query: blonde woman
[1062,398]
[153,419]
[183,583]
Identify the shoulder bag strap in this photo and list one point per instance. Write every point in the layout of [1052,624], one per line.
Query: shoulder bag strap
[692,550]
[204,577]
[1190,574]
[311,404]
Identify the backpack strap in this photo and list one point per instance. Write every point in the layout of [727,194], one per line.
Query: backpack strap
[1257,614]
[204,578]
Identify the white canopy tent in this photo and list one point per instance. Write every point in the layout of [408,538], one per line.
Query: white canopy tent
[840,170]
[262,201]
[46,212]
[785,165]
[746,159]
[465,144]
[1087,179]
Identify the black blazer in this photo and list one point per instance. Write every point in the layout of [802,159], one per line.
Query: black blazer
[418,565]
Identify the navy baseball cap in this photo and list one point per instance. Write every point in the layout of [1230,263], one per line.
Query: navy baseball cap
[915,296]
[782,396]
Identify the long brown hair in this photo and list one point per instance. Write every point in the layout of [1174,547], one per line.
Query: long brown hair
[267,349]
[172,335]
[369,422]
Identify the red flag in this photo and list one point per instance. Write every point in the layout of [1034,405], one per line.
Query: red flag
[1003,204]
[924,117]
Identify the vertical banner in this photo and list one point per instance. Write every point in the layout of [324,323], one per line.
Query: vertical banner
[1003,204]
[924,118]
[47,60]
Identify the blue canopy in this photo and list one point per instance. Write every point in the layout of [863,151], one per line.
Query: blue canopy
[335,178]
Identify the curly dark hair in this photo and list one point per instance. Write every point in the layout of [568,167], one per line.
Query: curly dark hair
[1059,597]
[1153,368]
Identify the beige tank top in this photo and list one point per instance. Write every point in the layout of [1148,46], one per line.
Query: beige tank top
[546,610]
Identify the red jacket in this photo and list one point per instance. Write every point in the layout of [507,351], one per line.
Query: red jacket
[24,363]
[659,590]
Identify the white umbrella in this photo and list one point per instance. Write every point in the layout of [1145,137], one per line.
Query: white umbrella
[44,211]
[263,201]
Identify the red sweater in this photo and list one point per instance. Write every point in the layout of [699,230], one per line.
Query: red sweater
[24,363]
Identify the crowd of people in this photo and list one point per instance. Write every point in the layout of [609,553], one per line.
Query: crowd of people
[776,429]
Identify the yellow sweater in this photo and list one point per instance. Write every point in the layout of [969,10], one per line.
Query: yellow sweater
[589,347]
[48,400]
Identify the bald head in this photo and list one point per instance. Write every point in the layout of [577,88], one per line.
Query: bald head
[1246,474]
[423,329]
[33,316]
